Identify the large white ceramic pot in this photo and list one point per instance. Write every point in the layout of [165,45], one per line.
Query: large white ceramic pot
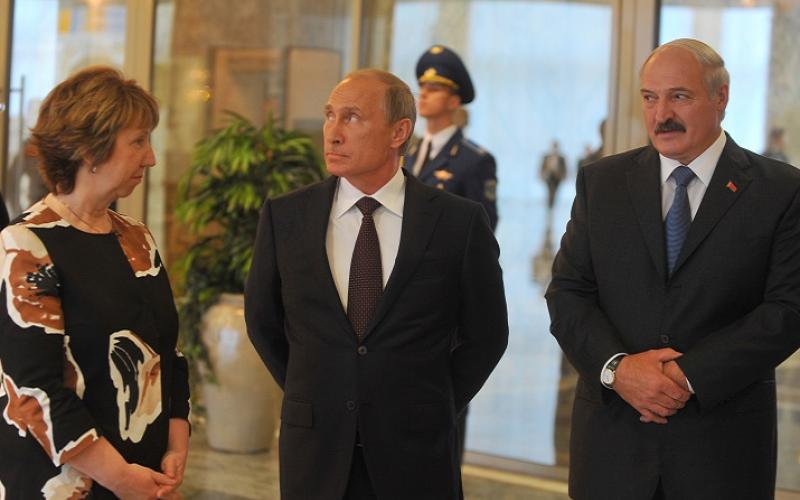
[242,403]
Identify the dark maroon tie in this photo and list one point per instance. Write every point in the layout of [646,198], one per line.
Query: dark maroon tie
[366,273]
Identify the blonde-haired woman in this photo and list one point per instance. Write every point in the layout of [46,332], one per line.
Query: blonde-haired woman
[94,393]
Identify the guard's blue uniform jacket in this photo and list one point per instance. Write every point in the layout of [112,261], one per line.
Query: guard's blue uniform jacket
[461,168]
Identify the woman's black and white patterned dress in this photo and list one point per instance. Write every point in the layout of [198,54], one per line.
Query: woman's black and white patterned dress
[88,333]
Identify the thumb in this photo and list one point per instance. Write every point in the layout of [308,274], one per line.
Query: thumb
[667,354]
[162,478]
[169,467]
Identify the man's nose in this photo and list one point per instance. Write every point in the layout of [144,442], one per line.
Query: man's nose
[663,110]
[332,132]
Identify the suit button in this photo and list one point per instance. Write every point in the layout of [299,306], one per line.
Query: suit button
[351,405]
[664,339]
[362,349]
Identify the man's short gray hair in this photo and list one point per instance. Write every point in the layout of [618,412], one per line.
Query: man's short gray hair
[715,73]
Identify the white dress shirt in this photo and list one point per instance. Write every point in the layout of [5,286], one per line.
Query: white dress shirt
[703,167]
[345,221]
[437,142]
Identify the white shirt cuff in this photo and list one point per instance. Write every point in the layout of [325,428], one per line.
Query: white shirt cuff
[689,385]
[605,365]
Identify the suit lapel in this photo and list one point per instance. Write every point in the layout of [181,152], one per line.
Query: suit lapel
[443,158]
[644,190]
[316,223]
[419,219]
[727,184]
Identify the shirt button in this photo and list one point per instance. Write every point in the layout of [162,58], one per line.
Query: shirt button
[664,339]
[362,349]
[351,405]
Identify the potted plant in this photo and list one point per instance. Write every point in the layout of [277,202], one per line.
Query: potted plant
[219,198]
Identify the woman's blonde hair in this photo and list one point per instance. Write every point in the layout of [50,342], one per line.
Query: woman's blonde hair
[80,119]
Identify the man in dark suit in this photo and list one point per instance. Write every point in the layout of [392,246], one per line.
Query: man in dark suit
[676,294]
[444,158]
[358,286]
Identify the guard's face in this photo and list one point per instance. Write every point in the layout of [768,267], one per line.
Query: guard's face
[682,119]
[436,100]
[358,139]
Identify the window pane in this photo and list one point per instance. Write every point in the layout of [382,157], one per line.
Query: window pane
[51,40]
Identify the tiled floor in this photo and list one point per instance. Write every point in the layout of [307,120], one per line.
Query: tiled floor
[213,475]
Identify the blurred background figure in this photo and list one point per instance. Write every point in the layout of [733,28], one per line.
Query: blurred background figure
[776,146]
[596,154]
[552,172]
[445,158]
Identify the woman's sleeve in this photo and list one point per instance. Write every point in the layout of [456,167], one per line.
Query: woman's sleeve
[42,382]
[180,406]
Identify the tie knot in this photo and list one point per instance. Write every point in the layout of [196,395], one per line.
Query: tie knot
[367,205]
[683,175]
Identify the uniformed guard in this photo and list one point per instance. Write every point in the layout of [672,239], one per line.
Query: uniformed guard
[444,157]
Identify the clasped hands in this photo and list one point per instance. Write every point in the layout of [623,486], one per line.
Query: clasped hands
[653,384]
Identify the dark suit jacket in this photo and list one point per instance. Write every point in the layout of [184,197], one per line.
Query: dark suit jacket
[401,388]
[461,168]
[732,307]
[3,213]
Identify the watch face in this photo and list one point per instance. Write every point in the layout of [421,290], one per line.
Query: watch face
[608,377]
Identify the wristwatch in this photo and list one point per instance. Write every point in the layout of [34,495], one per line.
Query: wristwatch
[609,372]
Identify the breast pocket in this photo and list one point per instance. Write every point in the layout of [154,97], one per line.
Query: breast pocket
[430,269]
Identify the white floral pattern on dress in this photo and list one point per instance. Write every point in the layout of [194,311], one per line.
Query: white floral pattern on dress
[136,373]
[68,485]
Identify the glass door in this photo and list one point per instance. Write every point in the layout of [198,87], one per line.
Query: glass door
[50,40]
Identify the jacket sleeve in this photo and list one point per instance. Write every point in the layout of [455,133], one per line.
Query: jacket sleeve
[42,384]
[748,350]
[263,305]
[577,321]
[480,184]
[483,317]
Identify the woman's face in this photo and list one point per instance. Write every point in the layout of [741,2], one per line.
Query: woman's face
[124,170]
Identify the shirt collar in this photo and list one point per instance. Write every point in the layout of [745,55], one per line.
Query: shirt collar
[703,166]
[440,138]
[391,195]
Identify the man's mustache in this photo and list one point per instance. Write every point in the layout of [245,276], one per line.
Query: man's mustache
[670,126]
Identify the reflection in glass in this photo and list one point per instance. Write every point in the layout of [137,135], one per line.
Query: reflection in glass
[760,42]
[51,40]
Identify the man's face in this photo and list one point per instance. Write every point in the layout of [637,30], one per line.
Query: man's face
[682,119]
[436,100]
[359,142]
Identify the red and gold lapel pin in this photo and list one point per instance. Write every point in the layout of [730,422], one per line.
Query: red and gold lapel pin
[730,185]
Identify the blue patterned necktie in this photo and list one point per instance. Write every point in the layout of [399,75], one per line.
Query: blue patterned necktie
[679,216]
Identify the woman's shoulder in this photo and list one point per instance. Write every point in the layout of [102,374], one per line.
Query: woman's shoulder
[38,215]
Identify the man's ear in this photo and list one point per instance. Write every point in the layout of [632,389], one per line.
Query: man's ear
[453,102]
[722,98]
[401,131]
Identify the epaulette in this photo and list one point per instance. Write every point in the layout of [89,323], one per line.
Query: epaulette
[473,146]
